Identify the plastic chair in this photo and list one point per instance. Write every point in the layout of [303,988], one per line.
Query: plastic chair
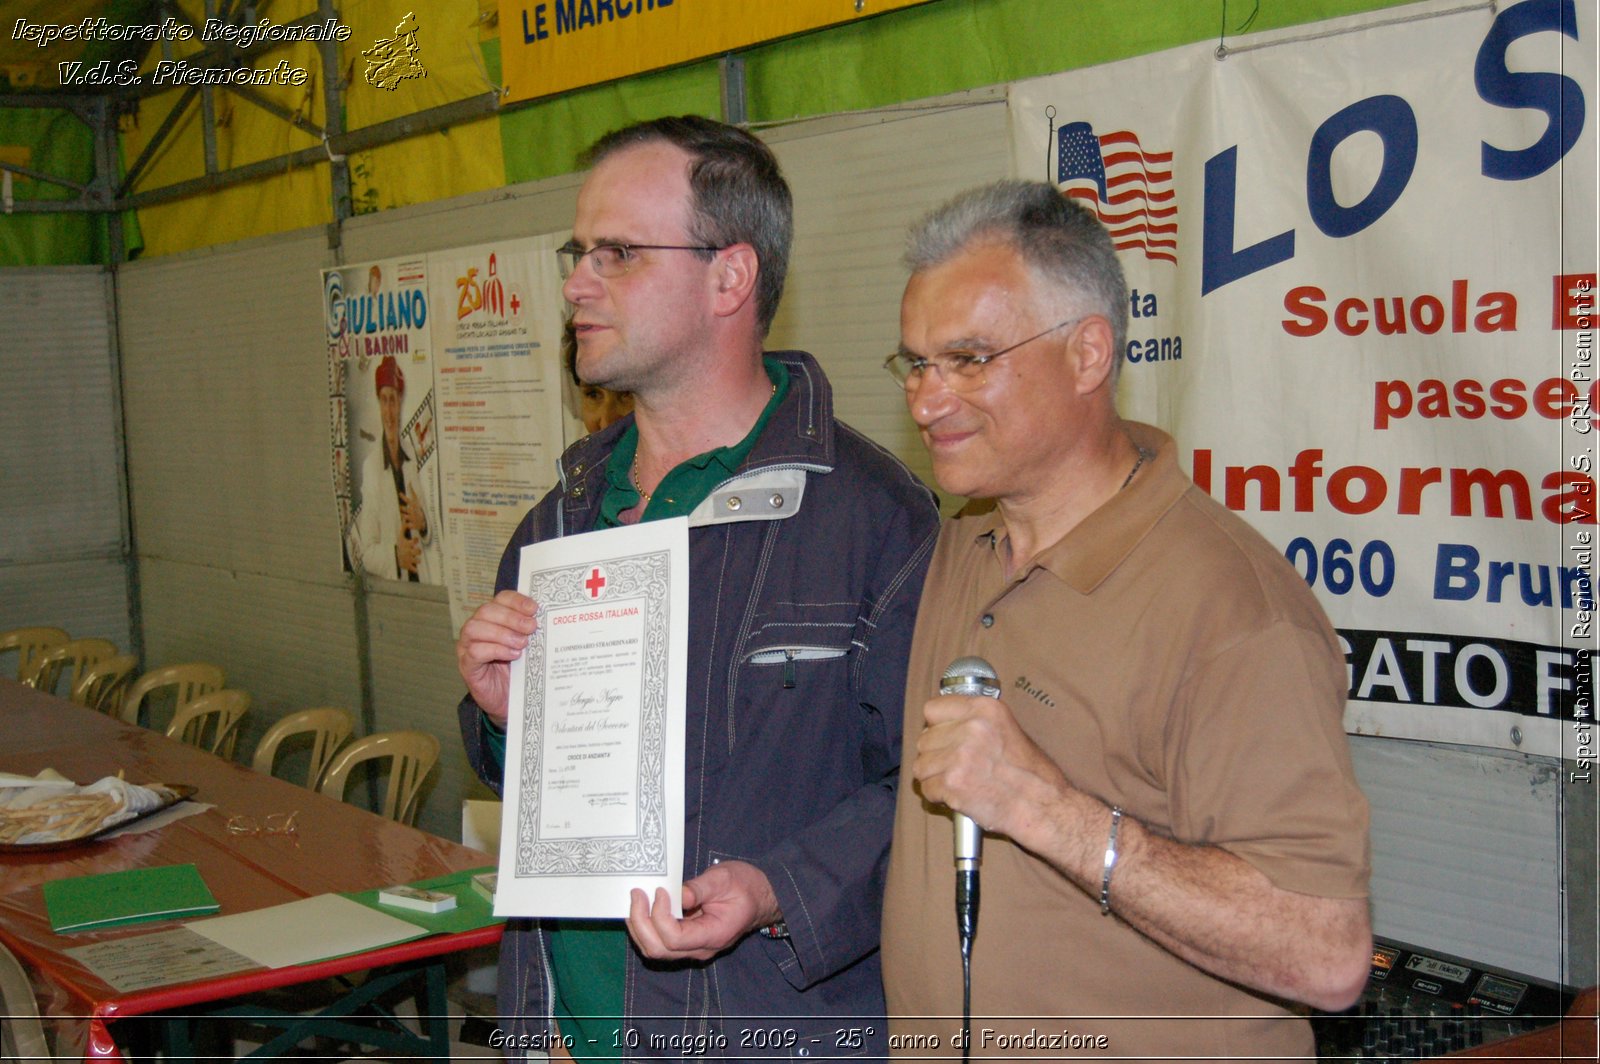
[75,655]
[30,643]
[187,682]
[216,713]
[412,755]
[21,1032]
[105,683]
[328,727]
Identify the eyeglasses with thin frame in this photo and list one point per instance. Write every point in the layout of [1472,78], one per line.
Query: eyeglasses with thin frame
[960,370]
[613,260]
[271,824]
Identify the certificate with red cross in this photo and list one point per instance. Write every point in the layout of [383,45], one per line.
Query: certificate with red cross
[595,740]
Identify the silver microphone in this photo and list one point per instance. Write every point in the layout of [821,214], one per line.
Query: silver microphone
[969,676]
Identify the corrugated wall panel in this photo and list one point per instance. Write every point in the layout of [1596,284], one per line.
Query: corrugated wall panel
[857,190]
[225,390]
[89,598]
[291,644]
[61,494]
[1467,852]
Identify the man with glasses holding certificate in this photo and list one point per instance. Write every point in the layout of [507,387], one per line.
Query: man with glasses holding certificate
[1175,839]
[808,545]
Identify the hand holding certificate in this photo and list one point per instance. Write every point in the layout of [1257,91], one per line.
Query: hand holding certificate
[724,903]
[595,732]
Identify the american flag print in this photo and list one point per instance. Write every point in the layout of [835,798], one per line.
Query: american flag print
[1129,188]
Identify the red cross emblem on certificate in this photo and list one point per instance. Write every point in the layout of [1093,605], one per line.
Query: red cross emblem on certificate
[596,581]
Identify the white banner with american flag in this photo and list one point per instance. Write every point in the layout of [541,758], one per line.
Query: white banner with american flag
[1130,188]
[1361,259]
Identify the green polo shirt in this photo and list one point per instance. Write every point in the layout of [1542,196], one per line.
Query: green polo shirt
[588,958]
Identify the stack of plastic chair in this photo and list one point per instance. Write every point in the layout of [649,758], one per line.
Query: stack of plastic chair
[328,727]
[72,659]
[211,721]
[30,643]
[186,683]
[411,755]
[104,684]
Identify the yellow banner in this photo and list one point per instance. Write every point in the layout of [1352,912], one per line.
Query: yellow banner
[550,46]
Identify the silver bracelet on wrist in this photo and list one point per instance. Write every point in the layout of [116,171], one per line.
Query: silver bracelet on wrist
[1111,861]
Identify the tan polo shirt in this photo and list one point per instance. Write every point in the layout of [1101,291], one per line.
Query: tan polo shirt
[1173,663]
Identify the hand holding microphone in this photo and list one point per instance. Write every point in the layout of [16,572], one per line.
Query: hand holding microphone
[978,755]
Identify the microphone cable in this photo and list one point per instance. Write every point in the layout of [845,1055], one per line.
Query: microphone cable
[967,926]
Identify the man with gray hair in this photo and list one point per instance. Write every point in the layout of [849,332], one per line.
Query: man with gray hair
[1173,825]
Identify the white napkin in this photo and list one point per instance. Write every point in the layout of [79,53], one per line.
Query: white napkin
[129,800]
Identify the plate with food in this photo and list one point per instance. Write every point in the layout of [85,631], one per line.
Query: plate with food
[47,812]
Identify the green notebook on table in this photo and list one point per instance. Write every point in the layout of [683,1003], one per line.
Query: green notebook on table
[113,898]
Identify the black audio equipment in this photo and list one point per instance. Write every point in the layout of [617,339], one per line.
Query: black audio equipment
[1421,1004]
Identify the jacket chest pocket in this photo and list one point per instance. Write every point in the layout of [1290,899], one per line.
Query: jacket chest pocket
[790,660]
[790,680]
[791,670]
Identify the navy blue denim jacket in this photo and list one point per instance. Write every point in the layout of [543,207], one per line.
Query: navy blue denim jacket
[805,571]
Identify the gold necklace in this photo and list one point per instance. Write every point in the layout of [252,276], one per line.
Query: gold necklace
[633,471]
[644,496]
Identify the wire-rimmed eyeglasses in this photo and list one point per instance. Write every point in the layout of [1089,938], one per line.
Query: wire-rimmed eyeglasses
[271,824]
[960,370]
[613,260]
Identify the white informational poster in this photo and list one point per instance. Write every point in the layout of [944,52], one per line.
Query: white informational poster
[496,335]
[1362,262]
[594,777]
[381,409]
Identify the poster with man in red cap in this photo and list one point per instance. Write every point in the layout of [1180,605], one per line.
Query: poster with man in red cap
[384,431]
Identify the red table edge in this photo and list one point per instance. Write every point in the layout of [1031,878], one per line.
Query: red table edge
[102,1046]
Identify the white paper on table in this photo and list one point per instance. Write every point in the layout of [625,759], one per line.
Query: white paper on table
[159,958]
[311,929]
[595,738]
[156,821]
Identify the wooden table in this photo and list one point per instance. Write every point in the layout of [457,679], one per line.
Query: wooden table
[338,848]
